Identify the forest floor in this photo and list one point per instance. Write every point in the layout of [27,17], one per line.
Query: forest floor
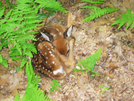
[116,64]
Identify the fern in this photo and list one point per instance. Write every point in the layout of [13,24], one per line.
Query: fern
[16,27]
[96,11]
[126,18]
[89,63]
[3,61]
[54,86]
[51,5]
[9,5]
[16,30]
[93,1]
[32,92]
[2,9]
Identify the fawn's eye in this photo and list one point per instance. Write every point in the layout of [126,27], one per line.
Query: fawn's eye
[68,51]
[66,44]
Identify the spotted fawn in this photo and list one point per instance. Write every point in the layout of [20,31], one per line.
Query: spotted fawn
[54,51]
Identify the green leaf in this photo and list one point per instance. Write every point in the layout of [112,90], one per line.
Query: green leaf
[95,72]
[107,88]
[103,89]
[93,1]
[92,75]
[4,42]
[18,58]
[1,59]
[54,86]
[41,15]
[14,53]
[28,53]
[75,70]
[4,63]
[2,9]
[17,98]
[23,62]
[19,69]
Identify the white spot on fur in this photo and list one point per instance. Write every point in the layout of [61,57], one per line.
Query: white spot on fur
[57,29]
[53,62]
[52,55]
[36,59]
[58,70]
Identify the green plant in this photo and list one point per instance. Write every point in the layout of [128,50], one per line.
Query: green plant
[96,11]
[54,86]
[93,1]
[89,63]
[126,18]
[9,5]
[17,24]
[16,34]
[103,89]
[32,93]
[2,9]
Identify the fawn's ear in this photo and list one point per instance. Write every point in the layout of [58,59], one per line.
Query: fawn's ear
[68,32]
[45,36]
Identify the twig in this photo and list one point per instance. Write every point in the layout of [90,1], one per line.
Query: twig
[107,55]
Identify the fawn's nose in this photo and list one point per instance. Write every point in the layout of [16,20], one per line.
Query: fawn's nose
[62,52]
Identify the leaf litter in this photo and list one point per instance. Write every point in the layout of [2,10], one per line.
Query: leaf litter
[116,65]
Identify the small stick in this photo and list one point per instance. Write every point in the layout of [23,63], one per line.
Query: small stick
[107,55]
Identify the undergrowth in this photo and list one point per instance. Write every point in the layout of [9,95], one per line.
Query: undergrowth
[16,27]
[32,92]
[96,11]
[16,34]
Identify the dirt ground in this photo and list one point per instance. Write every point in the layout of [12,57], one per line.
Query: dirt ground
[116,64]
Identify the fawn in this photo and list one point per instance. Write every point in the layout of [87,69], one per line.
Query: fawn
[55,51]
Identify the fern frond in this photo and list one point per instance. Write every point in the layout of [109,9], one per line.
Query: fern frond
[126,18]
[17,25]
[89,62]
[98,12]
[2,9]
[55,86]
[32,92]
[3,61]
[93,1]
[51,4]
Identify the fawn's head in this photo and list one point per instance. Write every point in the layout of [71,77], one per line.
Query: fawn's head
[60,37]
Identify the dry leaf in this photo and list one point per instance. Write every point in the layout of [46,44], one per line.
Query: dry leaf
[20,73]
[111,71]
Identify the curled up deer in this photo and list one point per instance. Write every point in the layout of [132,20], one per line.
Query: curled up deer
[55,51]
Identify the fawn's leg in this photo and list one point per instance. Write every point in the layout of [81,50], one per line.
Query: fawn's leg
[68,62]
